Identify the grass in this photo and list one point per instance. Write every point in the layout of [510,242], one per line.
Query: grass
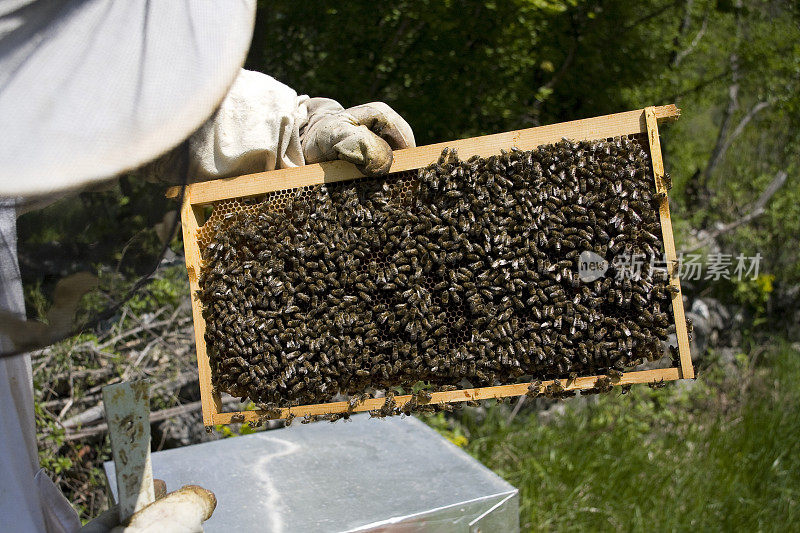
[720,454]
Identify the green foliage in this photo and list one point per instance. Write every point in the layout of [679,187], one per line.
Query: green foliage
[107,231]
[448,428]
[49,457]
[713,456]
[165,291]
[169,289]
[227,431]
[754,293]
[36,302]
[74,466]
[455,69]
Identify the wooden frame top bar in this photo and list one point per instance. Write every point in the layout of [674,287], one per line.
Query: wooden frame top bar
[629,122]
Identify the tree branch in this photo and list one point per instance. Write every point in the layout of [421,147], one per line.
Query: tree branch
[681,54]
[653,14]
[742,123]
[683,27]
[699,86]
[156,416]
[758,208]
[717,151]
[721,144]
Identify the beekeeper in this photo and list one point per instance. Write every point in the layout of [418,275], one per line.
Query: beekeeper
[90,89]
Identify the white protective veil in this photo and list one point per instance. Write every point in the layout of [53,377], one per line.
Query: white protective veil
[90,89]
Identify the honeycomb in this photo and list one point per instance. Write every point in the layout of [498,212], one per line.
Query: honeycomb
[233,331]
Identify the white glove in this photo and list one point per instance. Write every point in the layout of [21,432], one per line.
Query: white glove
[363,135]
[262,125]
[256,128]
[181,511]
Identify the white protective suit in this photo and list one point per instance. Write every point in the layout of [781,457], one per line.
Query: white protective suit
[92,88]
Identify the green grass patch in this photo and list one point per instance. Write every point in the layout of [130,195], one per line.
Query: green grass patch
[719,454]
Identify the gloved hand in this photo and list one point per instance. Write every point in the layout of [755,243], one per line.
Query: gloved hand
[262,125]
[181,511]
[364,135]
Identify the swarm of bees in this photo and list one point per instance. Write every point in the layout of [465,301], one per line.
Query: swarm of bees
[464,270]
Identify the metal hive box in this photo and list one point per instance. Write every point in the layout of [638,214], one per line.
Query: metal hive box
[208,206]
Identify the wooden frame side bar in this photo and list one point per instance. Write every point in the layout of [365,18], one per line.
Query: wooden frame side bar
[626,123]
[687,370]
[191,220]
[461,395]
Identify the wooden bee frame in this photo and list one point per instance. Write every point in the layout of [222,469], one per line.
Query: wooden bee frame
[199,196]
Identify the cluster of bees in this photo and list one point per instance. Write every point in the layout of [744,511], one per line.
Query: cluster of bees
[465,270]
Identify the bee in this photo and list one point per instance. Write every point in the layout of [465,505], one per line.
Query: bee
[657,384]
[659,198]
[555,387]
[534,389]
[672,291]
[675,355]
[354,401]
[422,397]
[603,384]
